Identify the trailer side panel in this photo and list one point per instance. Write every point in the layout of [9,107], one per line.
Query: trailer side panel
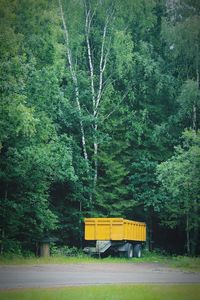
[114,229]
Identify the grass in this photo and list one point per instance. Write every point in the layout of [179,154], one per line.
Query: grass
[109,292]
[183,262]
[19,260]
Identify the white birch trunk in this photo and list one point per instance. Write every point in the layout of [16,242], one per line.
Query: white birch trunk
[75,81]
[96,95]
[102,66]
[88,20]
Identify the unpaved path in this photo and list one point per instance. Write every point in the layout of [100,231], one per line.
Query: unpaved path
[91,273]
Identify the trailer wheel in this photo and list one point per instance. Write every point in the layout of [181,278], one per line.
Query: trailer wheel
[137,251]
[129,252]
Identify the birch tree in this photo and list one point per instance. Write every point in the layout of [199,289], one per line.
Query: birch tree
[96,85]
[75,82]
[107,41]
[97,60]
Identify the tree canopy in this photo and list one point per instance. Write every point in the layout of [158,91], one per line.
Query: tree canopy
[99,116]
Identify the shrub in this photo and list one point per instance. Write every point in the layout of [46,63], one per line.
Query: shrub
[65,251]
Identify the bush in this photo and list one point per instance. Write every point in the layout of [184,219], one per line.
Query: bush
[65,251]
[12,247]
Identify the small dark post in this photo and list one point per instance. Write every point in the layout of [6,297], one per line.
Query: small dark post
[45,249]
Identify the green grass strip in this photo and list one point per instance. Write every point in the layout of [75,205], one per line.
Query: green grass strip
[108,292]
[182,262]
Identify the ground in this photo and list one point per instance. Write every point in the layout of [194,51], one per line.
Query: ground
[57,275]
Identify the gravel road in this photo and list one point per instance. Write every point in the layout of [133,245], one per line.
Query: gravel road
[38,276]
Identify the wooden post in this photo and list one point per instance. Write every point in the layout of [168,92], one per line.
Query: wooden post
[44,249]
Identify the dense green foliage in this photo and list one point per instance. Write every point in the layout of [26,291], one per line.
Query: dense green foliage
[99,116]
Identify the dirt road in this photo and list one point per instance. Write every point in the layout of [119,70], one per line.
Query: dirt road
[86,274]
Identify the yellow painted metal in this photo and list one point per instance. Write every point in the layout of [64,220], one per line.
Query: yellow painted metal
[114,229]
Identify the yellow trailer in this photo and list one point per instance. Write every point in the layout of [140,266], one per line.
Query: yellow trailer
[116,235]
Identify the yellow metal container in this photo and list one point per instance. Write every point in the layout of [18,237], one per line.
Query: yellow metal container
[114,229]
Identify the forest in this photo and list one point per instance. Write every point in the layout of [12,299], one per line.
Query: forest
[99,117]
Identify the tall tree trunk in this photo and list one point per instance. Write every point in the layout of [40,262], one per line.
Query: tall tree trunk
[75,81]
[96,95]
[80,226]
[3,225]
[194,121]
[2,240]
[150,231]
[188,234]
[197,65]
[196,217]
[88,20]
[95,155]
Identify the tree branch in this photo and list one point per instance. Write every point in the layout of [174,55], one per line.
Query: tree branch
[124,96]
